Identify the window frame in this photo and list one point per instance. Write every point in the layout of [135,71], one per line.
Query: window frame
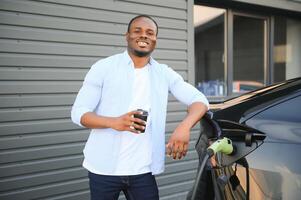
[268,42]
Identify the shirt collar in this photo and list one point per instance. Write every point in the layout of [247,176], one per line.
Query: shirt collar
[129,60]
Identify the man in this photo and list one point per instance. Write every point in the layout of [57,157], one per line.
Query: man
[123,152]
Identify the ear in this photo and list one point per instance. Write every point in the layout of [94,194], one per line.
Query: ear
[127,35]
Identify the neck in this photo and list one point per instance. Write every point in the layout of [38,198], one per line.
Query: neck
[139,62]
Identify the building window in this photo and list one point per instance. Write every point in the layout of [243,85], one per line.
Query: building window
[209,50]
[248,54]
[237,51]
[230,51]
[287,48]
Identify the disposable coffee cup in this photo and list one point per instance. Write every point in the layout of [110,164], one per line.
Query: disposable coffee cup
[142,116]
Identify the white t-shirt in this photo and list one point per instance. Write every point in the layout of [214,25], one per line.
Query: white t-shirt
[135,155]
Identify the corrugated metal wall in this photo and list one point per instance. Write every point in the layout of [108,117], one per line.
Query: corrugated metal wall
[46,47]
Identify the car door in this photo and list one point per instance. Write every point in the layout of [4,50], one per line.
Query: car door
[276,167]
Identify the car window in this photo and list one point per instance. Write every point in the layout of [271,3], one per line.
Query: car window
[281,121]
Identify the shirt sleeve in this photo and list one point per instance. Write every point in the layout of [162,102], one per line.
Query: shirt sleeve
[184,91]
[89,94]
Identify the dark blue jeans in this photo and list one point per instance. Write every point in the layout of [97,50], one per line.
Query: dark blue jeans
[136,187]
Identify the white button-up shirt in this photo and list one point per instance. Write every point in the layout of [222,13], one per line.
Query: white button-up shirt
[107,91]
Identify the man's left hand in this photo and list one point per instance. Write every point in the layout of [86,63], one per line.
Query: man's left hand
[177,145]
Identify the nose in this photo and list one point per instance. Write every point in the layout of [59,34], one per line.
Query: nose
[143,35]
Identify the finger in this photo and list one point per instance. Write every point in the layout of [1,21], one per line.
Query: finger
[174,155]
[131,120]
[179,155]
[138,121]
[132,129]
[185,149]
[136,126]
[134,112]
[168,149]
[180,151]
[174,151]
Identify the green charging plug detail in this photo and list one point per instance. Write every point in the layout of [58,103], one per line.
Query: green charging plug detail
[221,145]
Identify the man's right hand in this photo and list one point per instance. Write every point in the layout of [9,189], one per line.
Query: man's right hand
[127,122]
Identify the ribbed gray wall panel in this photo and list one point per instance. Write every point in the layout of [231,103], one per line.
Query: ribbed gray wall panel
[46,48]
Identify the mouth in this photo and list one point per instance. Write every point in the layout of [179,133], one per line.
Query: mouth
[142,44]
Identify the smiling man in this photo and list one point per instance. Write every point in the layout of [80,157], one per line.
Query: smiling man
[123,151]
[142,37]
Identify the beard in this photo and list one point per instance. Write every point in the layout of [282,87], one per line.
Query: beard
[141,53]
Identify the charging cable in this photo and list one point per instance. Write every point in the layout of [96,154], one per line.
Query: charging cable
[223,145]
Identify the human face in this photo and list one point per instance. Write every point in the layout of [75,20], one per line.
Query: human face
[142,37]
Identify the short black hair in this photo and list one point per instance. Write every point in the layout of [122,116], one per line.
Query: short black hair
[142,16]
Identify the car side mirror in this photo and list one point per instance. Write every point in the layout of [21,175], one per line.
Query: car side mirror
[244,140]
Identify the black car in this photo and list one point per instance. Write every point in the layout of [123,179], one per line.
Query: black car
[265,129]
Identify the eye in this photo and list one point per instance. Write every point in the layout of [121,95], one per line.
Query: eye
[136,31]
[150,33]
